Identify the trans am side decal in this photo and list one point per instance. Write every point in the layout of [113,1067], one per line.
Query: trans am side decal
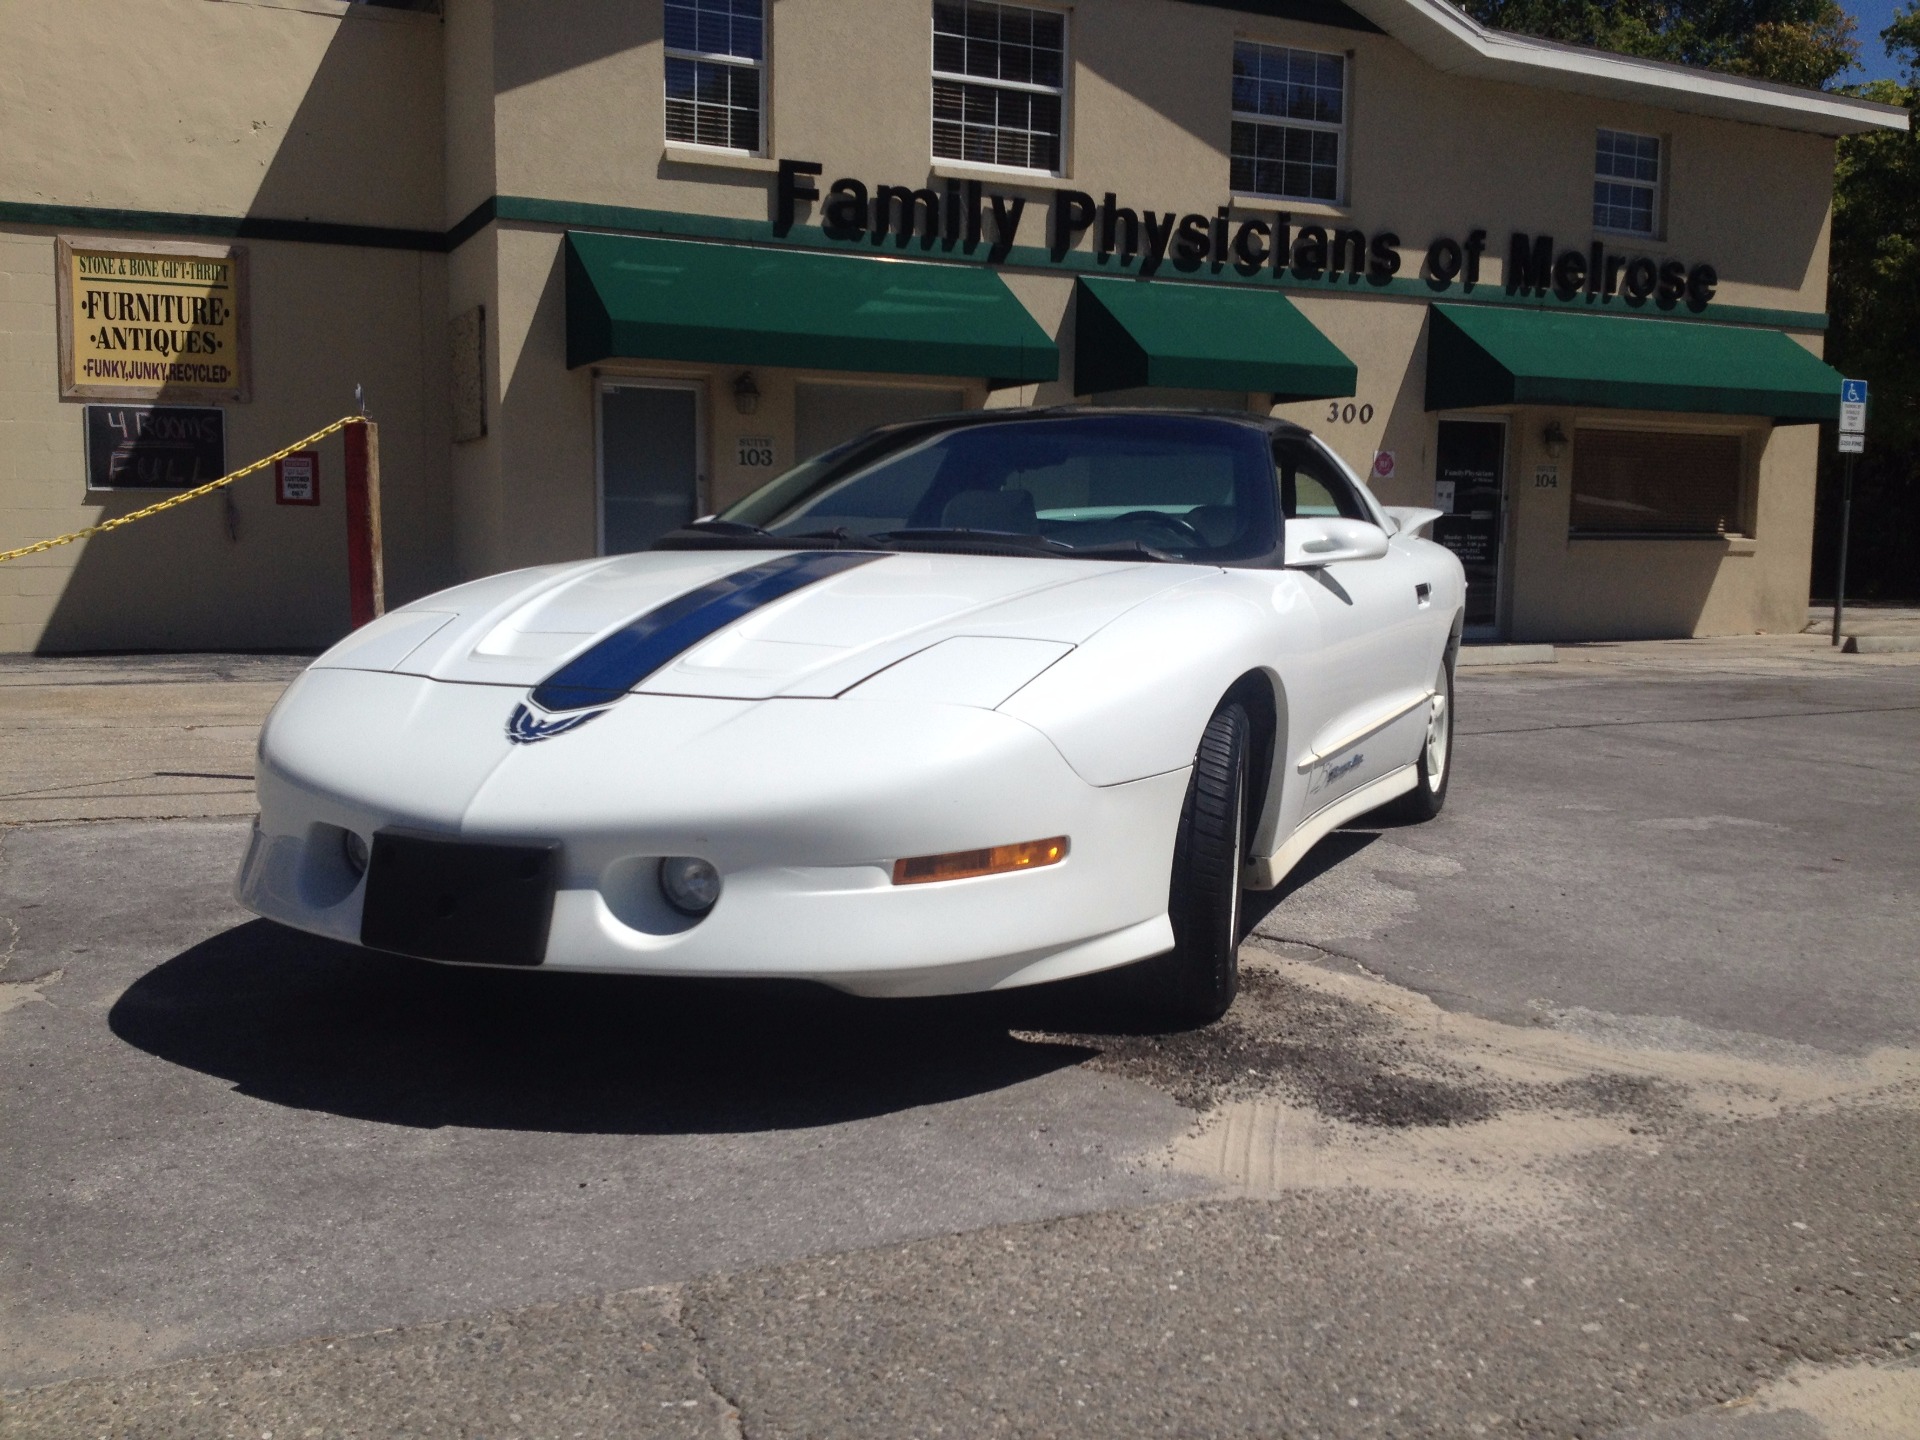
[1352,762]
[623,659]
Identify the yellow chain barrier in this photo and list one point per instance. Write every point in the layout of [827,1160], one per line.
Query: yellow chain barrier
[183,497]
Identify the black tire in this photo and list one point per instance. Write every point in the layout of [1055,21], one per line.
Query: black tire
[1195,982]
[1429,794]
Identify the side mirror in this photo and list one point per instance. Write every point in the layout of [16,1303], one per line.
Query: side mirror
[1316,540]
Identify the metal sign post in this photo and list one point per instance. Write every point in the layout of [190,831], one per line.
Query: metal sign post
[1853,441]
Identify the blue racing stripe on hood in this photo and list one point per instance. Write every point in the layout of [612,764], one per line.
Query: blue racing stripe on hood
[611,668]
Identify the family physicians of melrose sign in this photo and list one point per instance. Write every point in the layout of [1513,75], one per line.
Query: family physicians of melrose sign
[964,215]
[144,321]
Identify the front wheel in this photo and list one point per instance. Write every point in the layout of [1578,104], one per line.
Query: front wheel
[1196,981]
[1435,764]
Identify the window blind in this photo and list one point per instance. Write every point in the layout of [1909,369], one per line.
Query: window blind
[1643,482]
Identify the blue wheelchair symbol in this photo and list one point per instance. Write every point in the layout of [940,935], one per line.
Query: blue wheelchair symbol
[1853,392]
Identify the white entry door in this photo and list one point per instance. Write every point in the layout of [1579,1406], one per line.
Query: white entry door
[651,478]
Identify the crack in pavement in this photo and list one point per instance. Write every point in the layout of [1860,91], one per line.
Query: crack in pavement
[732,1426]
[13,927]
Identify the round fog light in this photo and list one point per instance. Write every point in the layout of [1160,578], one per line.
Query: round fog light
[690,885]
[355,850]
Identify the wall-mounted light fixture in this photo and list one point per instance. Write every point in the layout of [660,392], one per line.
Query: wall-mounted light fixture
[746,394]
[1555,439]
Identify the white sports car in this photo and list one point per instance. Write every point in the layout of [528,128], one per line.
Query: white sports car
[967,703]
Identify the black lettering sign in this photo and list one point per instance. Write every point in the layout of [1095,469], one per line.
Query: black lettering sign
[955,217]
[793,187]
[1383,261]
[1529,263]
[1072,213]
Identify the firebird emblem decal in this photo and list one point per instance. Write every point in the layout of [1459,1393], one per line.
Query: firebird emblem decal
[524,727]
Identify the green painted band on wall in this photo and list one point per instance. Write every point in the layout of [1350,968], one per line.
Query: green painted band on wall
[572,215]
[221,227]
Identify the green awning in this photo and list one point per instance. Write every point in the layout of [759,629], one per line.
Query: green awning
[1201,337]
[634,298]
[1491,355]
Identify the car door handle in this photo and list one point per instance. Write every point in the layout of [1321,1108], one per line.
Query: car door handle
[1423,594]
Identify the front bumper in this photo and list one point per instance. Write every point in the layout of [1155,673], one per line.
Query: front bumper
[802,804]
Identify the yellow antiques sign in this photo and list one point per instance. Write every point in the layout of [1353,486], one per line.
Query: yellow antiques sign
[152,321]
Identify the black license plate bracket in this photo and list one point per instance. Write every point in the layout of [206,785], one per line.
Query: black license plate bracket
[440,899]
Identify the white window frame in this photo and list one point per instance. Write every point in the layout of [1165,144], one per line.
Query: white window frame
[740,62]
[1283,122]
[1656,187]
[1061,90]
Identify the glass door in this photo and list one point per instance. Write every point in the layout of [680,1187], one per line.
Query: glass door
[650,470]
[1469,485]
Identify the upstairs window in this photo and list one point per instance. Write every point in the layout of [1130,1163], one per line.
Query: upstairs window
[999,84]
[1289,122]
[716,73]
[1626,182]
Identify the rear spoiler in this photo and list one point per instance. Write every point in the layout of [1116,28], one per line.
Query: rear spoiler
[1411,519]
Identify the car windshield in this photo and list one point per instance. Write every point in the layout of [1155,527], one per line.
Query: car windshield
[1183,487]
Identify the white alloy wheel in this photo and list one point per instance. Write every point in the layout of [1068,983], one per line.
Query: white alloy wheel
[1439,730]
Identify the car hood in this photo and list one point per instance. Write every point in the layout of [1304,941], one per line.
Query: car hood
[818,640]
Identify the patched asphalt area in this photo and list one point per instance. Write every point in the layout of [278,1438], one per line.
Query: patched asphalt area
[1348,1062]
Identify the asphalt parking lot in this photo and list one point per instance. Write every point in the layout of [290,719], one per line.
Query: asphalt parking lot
[1586,1110]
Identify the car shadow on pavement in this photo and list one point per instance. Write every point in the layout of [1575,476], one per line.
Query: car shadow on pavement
[314,1024]
[1337,848]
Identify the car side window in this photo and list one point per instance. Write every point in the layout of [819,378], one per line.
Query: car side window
[1310,486]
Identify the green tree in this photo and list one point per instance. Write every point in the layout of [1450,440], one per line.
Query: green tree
[1796,42]
[1874,302]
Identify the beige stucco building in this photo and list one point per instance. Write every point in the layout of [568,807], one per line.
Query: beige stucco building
[601,265]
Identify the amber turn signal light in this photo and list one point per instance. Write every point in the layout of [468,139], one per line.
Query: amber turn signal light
[964,864]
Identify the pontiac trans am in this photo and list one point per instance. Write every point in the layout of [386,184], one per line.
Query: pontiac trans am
[967,703]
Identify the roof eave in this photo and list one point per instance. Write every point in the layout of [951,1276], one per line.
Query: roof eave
[1451,41]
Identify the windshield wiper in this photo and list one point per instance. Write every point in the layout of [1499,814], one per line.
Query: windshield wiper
[842,537]
[1021,542]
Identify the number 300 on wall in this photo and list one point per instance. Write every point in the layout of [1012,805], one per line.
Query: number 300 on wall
[1338,414]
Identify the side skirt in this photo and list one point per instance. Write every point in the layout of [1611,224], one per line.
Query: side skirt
[1267,873]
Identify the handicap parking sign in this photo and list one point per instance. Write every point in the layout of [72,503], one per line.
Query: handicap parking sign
[1853,415]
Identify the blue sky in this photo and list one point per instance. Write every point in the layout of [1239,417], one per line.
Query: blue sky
[1873,17]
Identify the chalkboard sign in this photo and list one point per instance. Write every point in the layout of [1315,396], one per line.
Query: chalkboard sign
[154,447]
